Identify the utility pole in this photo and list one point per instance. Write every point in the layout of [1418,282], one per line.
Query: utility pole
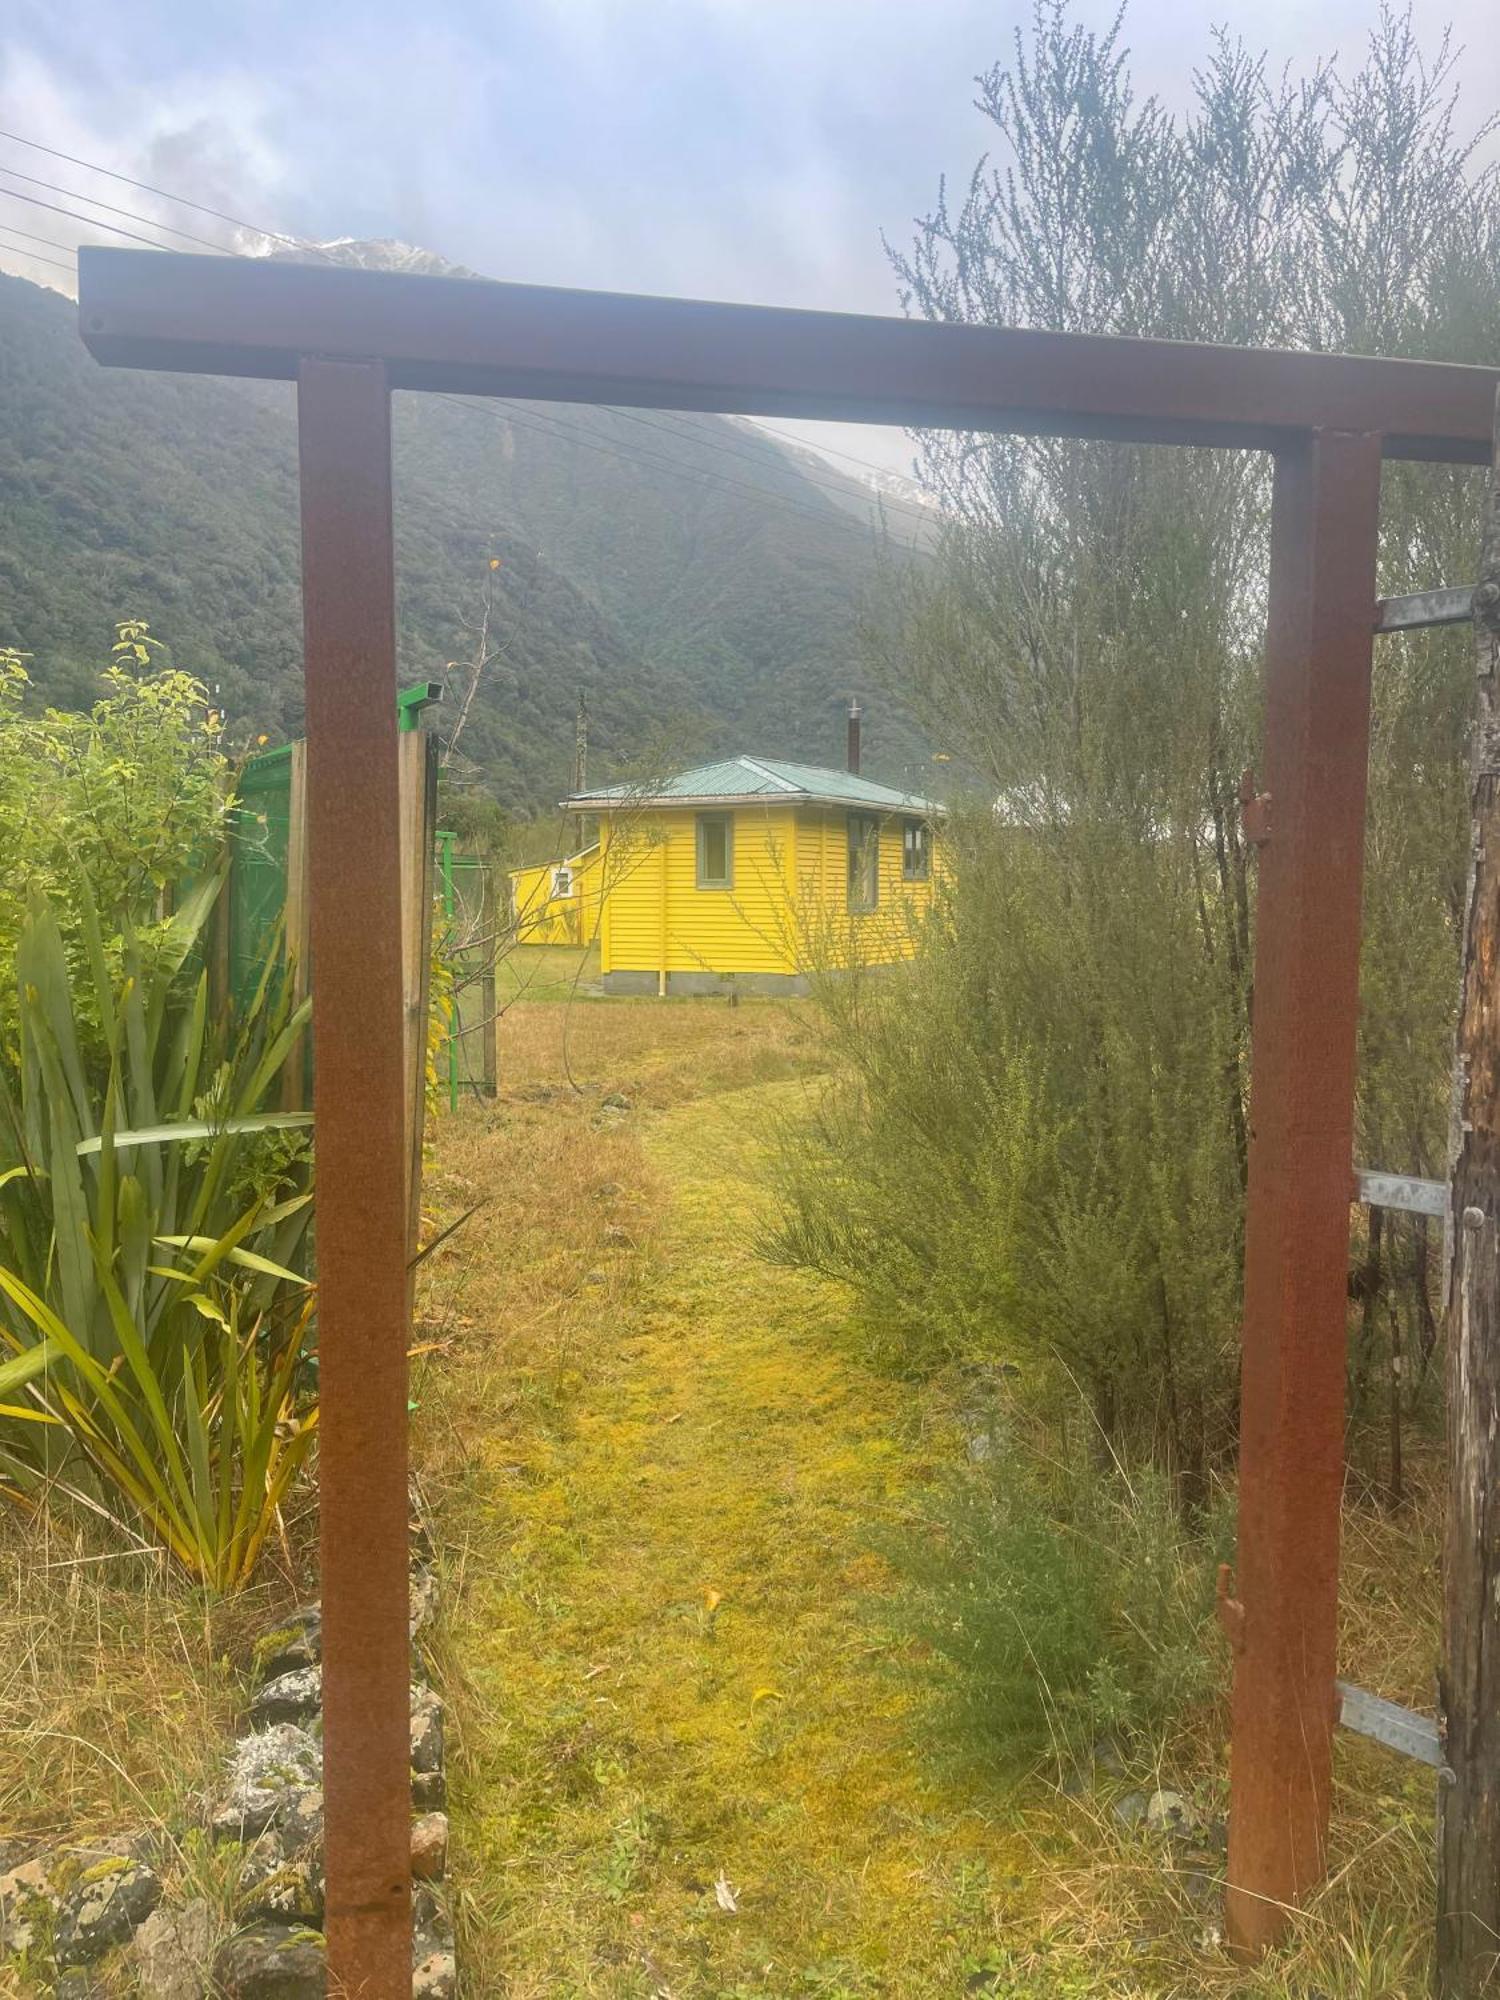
[1468,1929]
[581,758]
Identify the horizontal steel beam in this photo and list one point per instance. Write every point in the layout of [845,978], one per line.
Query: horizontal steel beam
[1451,605]
[243,316]
[1389,1723]
[1403,1191]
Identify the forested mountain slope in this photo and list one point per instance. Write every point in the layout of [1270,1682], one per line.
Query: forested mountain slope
[685,573]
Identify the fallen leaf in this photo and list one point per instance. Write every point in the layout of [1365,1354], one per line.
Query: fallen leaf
[724,1896]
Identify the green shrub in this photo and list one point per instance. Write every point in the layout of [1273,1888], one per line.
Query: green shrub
[149,1219]
[121,803]
[1052,1607]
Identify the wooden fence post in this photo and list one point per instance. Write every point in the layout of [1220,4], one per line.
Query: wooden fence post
[1468,1929]
[418,752]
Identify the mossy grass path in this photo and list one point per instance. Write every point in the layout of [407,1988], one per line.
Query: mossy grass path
[686,1768]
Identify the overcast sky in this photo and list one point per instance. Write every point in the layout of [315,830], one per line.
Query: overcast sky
[736,149]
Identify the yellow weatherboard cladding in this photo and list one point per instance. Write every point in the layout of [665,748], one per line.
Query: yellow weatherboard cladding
[675,910]
[558,902]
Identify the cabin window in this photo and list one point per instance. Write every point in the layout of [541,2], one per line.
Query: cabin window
[864,861]
[715,851]
[562,880]
[916,851]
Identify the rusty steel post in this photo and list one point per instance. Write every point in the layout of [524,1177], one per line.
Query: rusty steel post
[349,617]
[1283,1620]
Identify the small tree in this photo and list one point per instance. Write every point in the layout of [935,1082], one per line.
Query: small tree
[1043,1152]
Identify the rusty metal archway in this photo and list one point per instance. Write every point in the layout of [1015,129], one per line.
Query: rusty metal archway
[347,338]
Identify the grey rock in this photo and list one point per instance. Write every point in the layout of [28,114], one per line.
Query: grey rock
[424,1600]
[428,1911]
[434,1969]
[265,1769]
[78,1984]
[618,1237]
[429,1791]
[290,1697]
[103,1908]
[292,1643]
[272,1962]
[172,1952]
[980,1447]
[434,1965]
[426,1729]
[1169,1813]
[614,1100]
[608,1191]
[1131,1810]
[29,1895]
[274,1884]
[1109,1758]
[299,1820]
[596,1277]
[1199,1885]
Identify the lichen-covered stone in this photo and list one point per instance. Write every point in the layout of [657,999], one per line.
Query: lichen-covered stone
[293,1643]
[290,1697]
[275,1884]
[78,1984]
[429,1846]
[1169,1813]
[434,1966]
[265,1770]
[434,1970]
[424,1597]
[29,1896]
[429,1791]
[103,1908]
[272,1962]
[299,1820]
[426,1730]
[172,1951]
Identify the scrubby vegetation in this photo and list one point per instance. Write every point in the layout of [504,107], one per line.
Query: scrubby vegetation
[1032,1155]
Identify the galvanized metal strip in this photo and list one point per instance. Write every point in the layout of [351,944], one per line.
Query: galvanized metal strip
[1387,1722]
[1424,608]
[1403,1191]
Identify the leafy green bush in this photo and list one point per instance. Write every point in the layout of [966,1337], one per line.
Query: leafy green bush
[149,1220]
[121,803]
[1054,1607]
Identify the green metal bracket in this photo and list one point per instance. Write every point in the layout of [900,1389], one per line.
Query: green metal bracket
[413,701]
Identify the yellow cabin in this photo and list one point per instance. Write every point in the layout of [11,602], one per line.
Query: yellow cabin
[747,872]
[558,901]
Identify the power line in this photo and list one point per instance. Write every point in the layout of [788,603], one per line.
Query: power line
[145,187]
[544,423]
[833,451]
[55,241]
[12,173]
[754,458]
[36,257]
[548,426]
[88,221]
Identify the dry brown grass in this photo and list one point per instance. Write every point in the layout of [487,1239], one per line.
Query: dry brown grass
[120,1688]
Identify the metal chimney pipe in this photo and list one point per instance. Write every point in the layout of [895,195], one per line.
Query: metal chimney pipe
[853,757]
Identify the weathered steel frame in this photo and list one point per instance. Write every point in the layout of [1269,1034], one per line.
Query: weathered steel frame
[348,337]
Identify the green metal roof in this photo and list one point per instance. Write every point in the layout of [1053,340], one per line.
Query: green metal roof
[764,779]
